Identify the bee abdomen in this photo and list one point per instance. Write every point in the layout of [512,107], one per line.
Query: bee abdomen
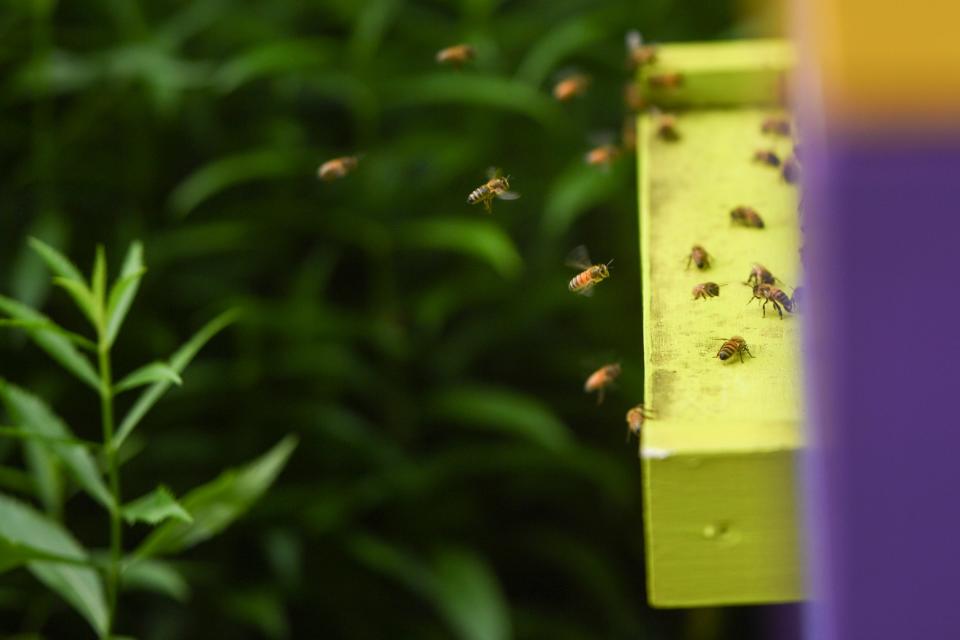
[476,195]
[579,281]
[784,300]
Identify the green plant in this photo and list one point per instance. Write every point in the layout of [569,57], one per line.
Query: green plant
[90,582]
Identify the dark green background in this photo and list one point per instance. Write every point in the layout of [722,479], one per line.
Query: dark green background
[430,357]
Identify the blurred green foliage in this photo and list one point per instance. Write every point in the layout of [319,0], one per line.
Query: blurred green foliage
[452,479]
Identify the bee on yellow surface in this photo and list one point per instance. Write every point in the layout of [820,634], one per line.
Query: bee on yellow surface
[706,290]
[699,257]
[600,379]
[570,86]
[759,274]
[633,98]
[456,56]
[496,186]
[767,157]
[665,80]
[770,293]
[791,170]
[666,127]
[638,53]
[636,416]
[337,168]
[776,126]
[746,217]
[735,345]
[602,156]
[590,274]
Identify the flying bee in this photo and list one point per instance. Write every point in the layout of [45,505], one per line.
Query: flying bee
[633,98]
[759,275]
[665,80]
[734,345]
[590,274]
[496,186]
[636,416]
[337,168]
[639,54]
[746,217]
[600,379]
[770,293]
[570,86]
[706,290]
[603,155]
[699,257]
[776,126]
[456,56]
[767,157]
[791,170]
[666,127]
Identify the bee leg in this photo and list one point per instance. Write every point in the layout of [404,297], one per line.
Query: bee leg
[748,352]
[740,352]
[488,206]
[777,307]
[764,307]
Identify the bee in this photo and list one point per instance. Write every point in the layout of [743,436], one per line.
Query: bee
[590,274]
[496,186]
[635,419]
[746,217]
[666,127]
[770,293]
[791,170]
[759,275]
[600,379]
[699,257]
[602,156]
[665,80]
[776,126]
[633,98]
[767,157]
[570,85]
[456,56]
[337,168]
[736,344]
[706,290]
[639,54]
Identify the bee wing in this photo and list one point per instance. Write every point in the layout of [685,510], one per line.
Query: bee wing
[578,258]
[634,40]
[508,195]
[494,172]
[587,291]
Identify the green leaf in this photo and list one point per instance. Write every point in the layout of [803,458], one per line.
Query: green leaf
[98,285]
[36,325]
[57,262]
[221,174]
[28,434]
[156,576]
[52,341]
[473,237]
[457,583]
[273,59]
[575,191]
[80,586]
[501,410]
[16,554]
[124,290]
[46,476]
[562,41]
[178,362]
[154,508]
[33,414]
[82,297]
[149,374]
[215,505]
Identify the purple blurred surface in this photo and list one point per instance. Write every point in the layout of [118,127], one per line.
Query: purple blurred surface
[882,345]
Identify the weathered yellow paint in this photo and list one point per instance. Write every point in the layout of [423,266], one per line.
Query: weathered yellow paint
[719,454]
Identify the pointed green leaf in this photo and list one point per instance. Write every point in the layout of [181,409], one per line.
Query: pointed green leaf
[32,413]
[29,434]
[46,476]
[55,344]
[178,362]
[57,262]
[40,325]
[15,554]
[80,586]
[149,374]
[124,290]
[98,286]
[82,297]
[469,236]
[215,505]
[154,508]
[157,576]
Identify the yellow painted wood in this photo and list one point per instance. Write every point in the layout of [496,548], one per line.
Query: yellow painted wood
[719,456]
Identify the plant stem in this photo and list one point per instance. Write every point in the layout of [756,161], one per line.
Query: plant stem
[116,531]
